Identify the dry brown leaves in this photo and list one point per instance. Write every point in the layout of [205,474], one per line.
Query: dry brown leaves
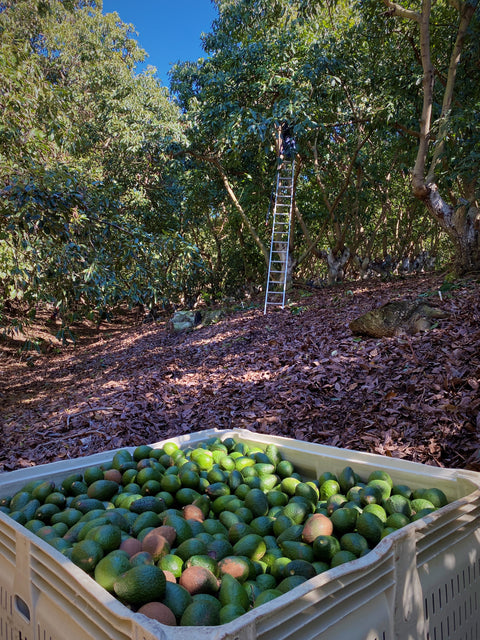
[296,372]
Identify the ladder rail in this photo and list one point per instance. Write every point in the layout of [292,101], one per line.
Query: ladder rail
[281,227]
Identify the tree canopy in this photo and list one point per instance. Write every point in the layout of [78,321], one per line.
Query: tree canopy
[115,190]
[89,201]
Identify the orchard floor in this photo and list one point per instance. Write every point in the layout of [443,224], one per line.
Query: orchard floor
[297,372]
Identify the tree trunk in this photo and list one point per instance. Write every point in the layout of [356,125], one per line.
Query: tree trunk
[229,189]
[336,262]
[462,222]
[462,226]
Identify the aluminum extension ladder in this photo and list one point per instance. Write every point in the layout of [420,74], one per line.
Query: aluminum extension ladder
[282,217]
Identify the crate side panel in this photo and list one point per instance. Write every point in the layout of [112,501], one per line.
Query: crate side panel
[329,607]
[15,621]
[449,571]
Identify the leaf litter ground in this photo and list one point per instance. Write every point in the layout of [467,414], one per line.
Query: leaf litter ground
[297,372]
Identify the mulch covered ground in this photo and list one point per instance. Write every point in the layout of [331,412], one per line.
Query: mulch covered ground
[297,372]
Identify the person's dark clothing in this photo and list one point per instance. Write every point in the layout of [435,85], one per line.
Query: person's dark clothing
[289,148]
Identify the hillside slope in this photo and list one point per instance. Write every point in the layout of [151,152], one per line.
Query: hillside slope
[297,372]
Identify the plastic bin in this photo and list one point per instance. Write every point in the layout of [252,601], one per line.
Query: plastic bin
[421,582]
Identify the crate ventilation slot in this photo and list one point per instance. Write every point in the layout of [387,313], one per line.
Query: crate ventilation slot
[465,614]
[22,608]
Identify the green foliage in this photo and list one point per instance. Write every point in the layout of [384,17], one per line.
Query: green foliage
[89,209]
[112,190]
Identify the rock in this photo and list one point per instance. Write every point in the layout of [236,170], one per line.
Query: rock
[395,318]
[212,316]
[183,321]
[186,320]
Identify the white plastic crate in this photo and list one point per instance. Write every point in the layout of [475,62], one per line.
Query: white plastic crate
[420,583]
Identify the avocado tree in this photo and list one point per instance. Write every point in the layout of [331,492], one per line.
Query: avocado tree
[445,41]
[310,65]
[89,199]
[235,99]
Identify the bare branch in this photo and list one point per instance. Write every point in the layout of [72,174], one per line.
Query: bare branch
[239,208]
[418,177]
[406,130]
[467,11]
[456,4]
[396,9]
[228,187]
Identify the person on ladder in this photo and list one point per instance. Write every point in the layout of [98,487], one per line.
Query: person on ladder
[288,147]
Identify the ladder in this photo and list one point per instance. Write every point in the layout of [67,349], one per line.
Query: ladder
[282,217]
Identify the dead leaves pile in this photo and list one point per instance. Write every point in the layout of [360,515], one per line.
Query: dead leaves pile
[297,372]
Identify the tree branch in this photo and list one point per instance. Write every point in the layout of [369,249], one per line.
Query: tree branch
[418,177]
[216,163]
[406,130]
[396,9]
[239,208]
[466,14]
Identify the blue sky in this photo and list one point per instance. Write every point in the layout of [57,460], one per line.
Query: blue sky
[168,30]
